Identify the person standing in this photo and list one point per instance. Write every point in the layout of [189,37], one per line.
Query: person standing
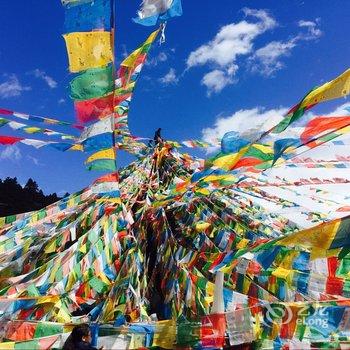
[79,339]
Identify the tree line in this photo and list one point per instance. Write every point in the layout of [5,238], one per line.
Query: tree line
[15,199]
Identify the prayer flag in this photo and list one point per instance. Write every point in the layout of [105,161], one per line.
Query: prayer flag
[88,50]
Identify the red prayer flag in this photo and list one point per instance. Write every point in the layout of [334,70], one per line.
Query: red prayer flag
[94,109]
[9,140]
[112,177]
[5,112]
[47,342]
[213,331]
[20,331]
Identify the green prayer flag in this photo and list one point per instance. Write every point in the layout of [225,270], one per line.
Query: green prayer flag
[96,284]
[188,334]
[93,83]
[3,121]
[10,219]
[45,329]
[32,291]
[102,164]
[28,345]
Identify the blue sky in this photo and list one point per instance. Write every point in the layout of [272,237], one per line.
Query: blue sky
[225,64]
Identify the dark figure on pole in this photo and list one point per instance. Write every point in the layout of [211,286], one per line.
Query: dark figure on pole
[157,136]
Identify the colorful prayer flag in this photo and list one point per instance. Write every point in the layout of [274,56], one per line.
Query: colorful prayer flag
[88,50]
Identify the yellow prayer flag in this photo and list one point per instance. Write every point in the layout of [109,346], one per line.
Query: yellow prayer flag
[203,191]
[320,236]
[110,200]
[225,177]
[267,148]
[54,299]
[316,253]
[72,278]
[246,285]
[202,226]
[137,341]
[287,261]
[34,219]
[88,50]
[104,154]
[104,278]
[335,88]
[228,161]
[51,247]
[275,330]
[77,148]
[242,243]
[109,309]
[32,129]
[281,273]
[7,345]
[83,249]
[132,58]
[2,222]
[62,316]
[53,272]
[165,334]
[210,288]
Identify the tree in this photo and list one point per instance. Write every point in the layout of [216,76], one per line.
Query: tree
[31,186]
[16,199]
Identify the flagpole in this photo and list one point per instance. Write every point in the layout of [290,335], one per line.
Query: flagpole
[113,20]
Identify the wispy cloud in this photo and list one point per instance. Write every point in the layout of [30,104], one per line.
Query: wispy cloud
[12,87]
[169,78]
[12,153]
[268,59]
[124,51]
[61,101]
[160,58]
[232,40]
[217,79]
[313,32]
[61,193]
[34,160]
[40,74]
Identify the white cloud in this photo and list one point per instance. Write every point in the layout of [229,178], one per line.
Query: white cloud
[34,160]
[341,111]
[124,51]
[169,78]
[52,84]
[161,57]
[249,123]
[217,79]
[237,39]
[313,32]
[12,87]
[231,41]
[61,101]
[12,153]
[267,60]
